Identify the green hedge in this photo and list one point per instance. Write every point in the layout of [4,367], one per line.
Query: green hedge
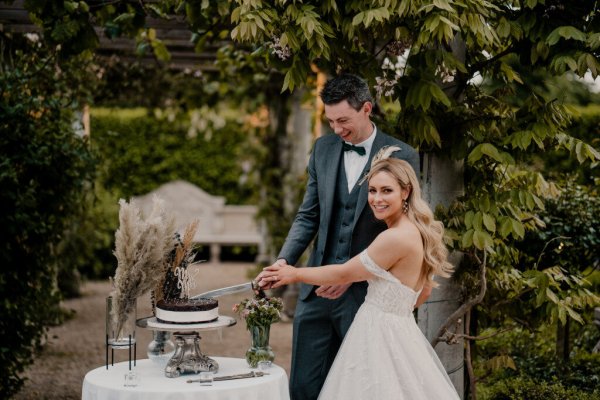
[141,151]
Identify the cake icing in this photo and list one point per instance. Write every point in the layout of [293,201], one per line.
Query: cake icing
[187,311]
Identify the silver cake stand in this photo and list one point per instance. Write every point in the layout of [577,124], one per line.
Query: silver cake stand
[187,358]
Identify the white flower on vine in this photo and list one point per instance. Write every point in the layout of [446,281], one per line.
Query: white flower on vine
[385,86]
[32,37]
[445,73]
[282,52]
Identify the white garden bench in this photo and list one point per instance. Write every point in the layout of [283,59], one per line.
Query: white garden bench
[220,224]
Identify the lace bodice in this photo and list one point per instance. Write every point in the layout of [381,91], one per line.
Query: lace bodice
[386,291]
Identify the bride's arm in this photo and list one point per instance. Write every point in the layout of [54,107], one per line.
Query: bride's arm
[351,271]
[385,246]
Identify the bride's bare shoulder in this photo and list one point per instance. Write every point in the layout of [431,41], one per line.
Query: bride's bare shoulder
[399,237]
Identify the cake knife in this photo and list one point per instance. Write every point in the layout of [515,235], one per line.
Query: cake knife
[252,285]
[251,374]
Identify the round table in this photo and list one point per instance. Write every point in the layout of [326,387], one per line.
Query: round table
[102,383]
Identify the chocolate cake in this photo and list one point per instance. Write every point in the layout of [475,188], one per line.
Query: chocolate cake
[187,311]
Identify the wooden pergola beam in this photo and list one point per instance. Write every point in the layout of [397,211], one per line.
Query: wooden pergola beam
[173,32]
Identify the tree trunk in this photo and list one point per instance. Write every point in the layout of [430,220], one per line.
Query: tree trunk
[442,182]
[562,342]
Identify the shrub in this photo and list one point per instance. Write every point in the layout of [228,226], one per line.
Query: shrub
[87,249]
[521,388]
[45,170]
[535,359]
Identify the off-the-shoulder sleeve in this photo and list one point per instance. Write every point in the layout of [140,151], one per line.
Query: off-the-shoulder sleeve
[373,268]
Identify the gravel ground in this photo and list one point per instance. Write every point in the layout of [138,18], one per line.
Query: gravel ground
[77,346]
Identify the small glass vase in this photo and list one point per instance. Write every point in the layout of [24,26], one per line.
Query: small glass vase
[119,334]
[161,348]
[260,350]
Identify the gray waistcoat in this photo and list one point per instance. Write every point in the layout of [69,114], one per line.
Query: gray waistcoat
[339,238]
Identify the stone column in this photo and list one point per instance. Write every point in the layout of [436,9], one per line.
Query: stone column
[442,182]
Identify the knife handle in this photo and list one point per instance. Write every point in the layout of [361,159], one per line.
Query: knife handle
[258,292]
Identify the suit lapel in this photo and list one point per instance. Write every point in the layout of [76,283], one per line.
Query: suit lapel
[331,165]
[378,143]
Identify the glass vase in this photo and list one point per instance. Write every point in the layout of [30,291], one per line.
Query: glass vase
[120,332]
[260,349]
[161,348]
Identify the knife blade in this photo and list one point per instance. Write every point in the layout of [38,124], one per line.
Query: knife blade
[252,285]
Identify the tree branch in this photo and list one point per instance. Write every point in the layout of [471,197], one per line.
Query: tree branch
[469,361]
[454,317]
[481,65]
[468,337]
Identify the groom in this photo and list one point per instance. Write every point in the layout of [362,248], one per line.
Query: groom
[335,210]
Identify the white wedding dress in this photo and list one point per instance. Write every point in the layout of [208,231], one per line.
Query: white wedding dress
[384,354]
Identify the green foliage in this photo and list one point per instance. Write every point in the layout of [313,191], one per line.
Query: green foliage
[570,239]
[585,127]
[529,355]
[554,259]
[123,84]
[526,388]
[203,147]
[45,172]
[88,243]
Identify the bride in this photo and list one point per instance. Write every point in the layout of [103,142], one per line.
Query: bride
[384,354]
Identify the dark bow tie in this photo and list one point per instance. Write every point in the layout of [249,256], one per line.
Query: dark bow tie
[350,147]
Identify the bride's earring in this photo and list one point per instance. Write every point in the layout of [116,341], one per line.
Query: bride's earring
[405,206]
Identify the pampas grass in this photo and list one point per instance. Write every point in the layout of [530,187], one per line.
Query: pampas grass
[142,247]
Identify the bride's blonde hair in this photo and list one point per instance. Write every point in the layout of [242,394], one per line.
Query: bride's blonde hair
[435,260]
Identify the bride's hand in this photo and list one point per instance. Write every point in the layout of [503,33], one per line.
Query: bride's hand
[276,275]
[266,284]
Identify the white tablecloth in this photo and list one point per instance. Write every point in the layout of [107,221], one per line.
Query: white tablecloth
[103,384]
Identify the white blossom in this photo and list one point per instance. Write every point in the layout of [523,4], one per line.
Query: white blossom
[282,52]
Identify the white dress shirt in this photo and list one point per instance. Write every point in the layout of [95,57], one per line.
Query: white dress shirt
[355,163]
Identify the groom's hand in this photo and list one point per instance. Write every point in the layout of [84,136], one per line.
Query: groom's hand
[333,291]
[266,284]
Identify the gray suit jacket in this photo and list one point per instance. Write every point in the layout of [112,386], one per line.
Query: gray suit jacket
[314,214]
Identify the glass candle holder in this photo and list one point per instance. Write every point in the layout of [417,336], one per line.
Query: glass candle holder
[131,379]
[206,378]
[161,348]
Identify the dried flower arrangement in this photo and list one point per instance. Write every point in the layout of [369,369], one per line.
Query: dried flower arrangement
[147,250]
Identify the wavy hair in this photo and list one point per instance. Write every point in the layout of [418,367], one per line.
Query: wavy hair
[435,260]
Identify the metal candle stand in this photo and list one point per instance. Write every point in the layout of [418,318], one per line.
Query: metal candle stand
[112,352]
[120,335]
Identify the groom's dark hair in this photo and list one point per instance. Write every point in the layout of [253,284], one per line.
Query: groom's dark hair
[347,87]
